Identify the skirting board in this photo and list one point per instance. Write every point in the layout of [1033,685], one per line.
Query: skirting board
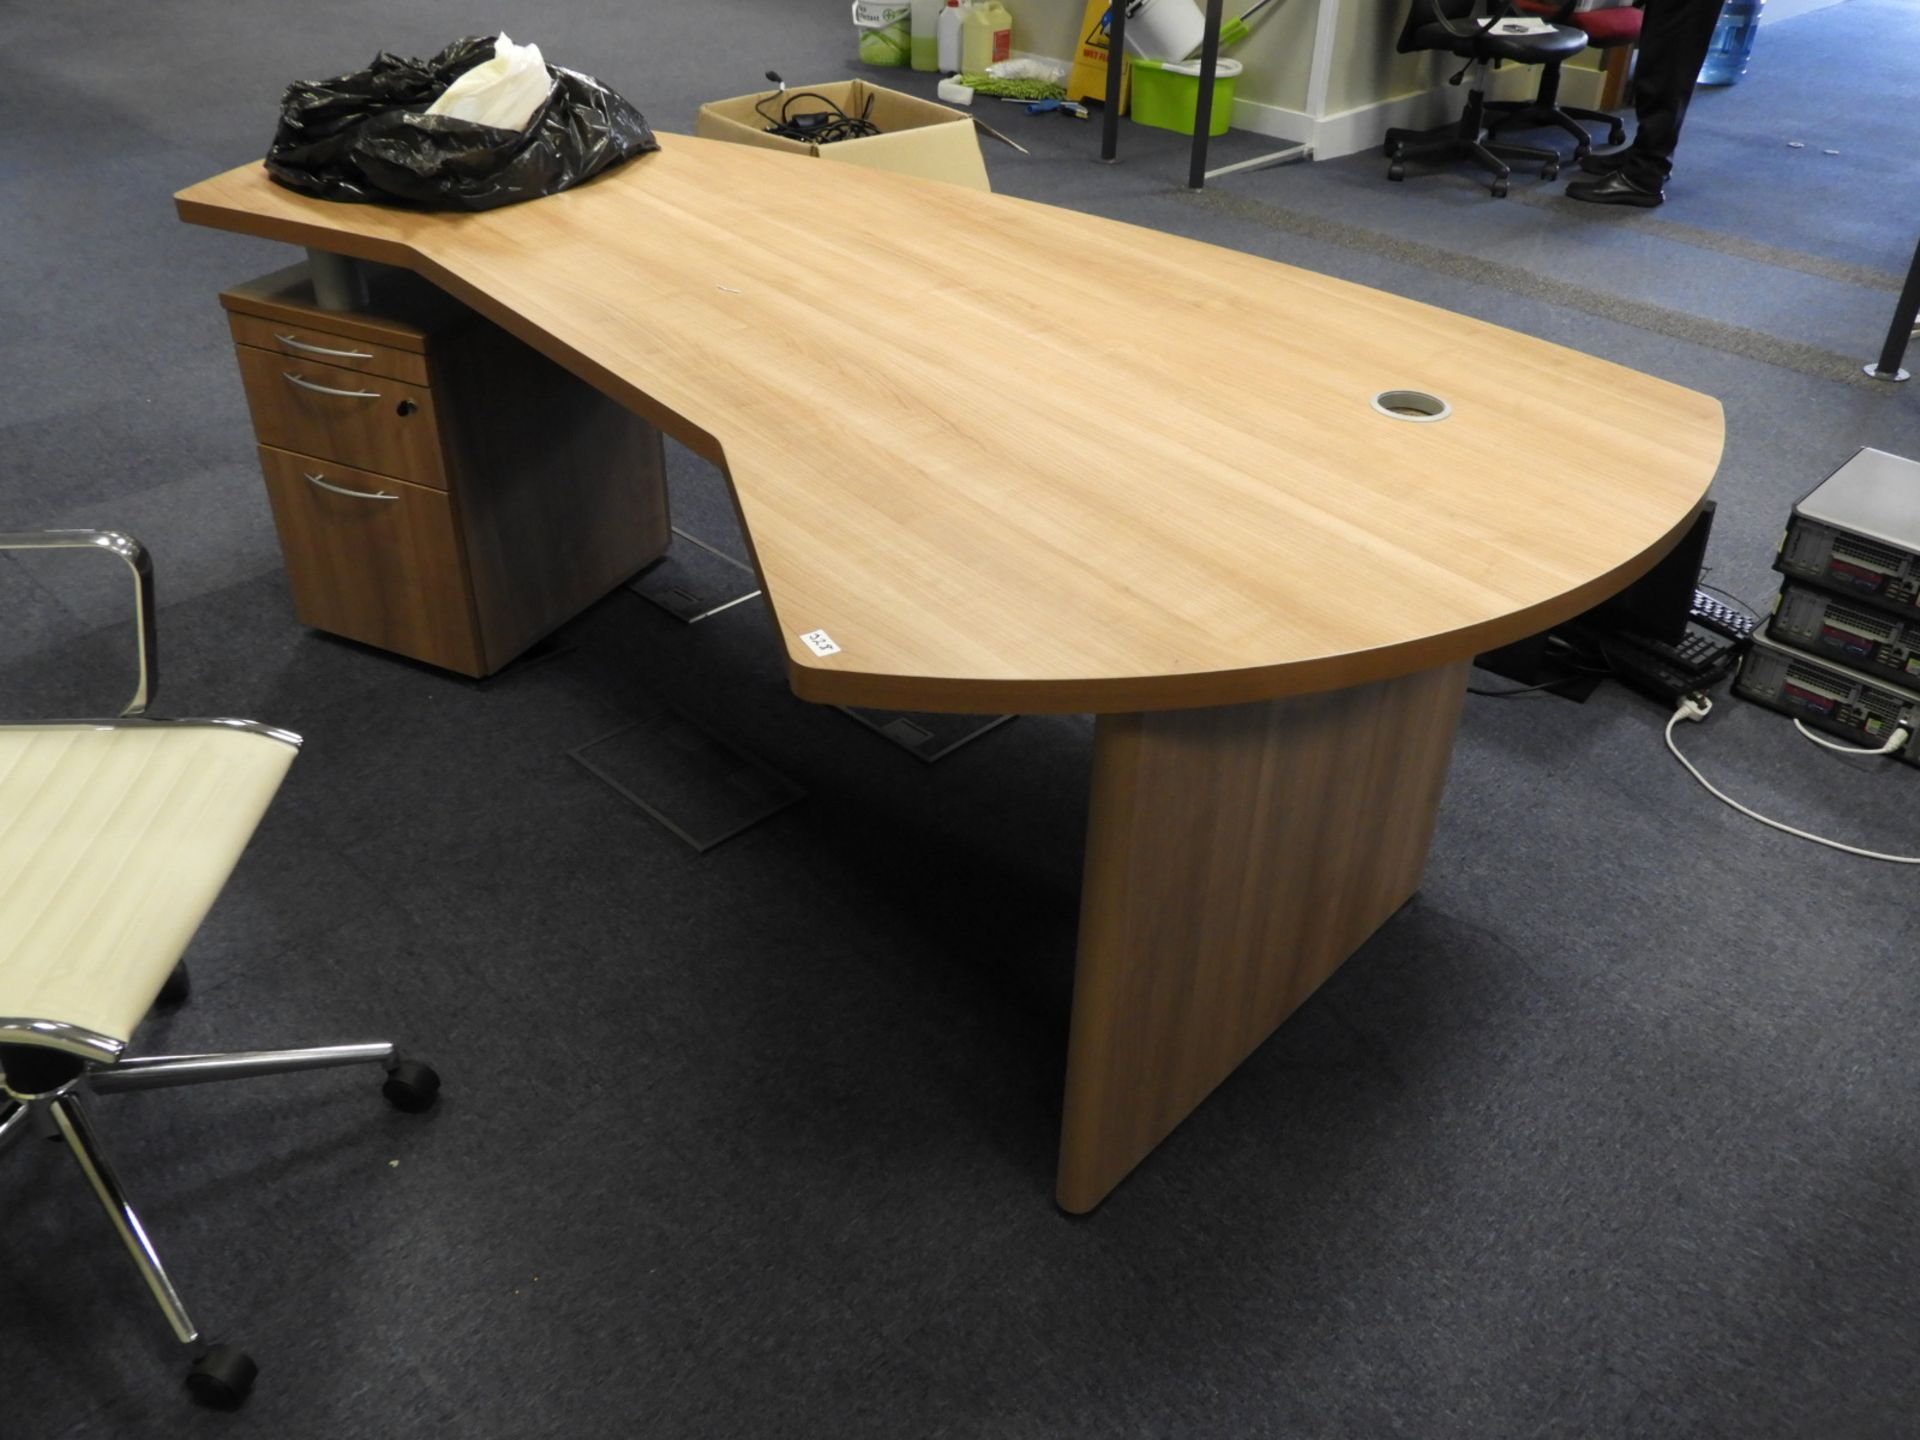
[1349,131]
[1346,132]
[1365,126]
[1330,136]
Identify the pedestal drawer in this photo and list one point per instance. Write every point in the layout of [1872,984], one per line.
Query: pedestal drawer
[374,559]
[370,422]
[304,342]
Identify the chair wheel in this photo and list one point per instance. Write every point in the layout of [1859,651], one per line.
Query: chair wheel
[1618,135]
[222,1378]
[178,987]
[1499,189]
[411,1086]
[1550,171]
[1396,171]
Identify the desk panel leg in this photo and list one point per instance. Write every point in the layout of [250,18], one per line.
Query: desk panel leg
[1235,856]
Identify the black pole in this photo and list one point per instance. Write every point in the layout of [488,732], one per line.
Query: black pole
[1203,112]
[1116,67]
[1901,331]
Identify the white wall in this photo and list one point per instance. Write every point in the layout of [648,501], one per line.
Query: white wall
[1046,27]
[1323,71]
[1277,54]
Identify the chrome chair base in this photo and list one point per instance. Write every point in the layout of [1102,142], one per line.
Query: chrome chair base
[51,1068]
[223,1376]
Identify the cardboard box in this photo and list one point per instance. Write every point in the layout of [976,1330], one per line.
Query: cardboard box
[917,136]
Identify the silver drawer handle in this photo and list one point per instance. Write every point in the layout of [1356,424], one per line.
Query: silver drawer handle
[356,494]
[289,341]
[329,390]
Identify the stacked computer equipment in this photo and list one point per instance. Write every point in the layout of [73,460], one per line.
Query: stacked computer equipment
[1841,651]
[1663,635]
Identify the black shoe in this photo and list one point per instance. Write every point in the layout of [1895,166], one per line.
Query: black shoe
[1616,188]
[1596,162]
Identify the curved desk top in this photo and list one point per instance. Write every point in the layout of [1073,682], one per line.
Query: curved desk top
[1017,458]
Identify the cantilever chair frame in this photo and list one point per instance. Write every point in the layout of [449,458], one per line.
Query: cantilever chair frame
[48,1067]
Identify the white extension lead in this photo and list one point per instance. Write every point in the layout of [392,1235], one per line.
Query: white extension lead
[1695,708]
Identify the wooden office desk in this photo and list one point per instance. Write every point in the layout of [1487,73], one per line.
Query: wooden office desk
[1181,512]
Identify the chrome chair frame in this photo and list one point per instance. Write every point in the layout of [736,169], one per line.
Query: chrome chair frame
[50,1070]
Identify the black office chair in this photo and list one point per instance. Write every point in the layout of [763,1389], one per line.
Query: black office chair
[1607,29]
[1456,26]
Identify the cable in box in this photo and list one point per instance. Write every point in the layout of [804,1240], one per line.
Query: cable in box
[916,136]
[1828,696]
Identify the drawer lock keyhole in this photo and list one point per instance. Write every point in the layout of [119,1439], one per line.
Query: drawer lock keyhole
[405,408]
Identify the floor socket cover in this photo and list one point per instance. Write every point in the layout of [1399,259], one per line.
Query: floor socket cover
[930,737]
[693,580]
[698,785]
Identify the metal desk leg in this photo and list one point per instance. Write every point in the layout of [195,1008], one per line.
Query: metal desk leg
[339,281]
[1900,332]
[1203,113]
[1116,68]
[1197,174]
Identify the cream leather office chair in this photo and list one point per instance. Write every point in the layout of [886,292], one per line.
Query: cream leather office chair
[116,837]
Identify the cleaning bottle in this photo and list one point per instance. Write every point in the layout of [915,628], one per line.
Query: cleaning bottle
[881,27]
[986,36]
[926,36]
[948,38]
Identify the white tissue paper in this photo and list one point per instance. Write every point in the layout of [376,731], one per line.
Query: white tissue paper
[1031,67]
[504,92]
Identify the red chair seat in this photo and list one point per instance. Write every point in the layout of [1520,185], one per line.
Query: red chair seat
[1605,28]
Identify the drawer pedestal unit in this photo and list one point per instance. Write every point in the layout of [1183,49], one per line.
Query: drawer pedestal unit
[441,490]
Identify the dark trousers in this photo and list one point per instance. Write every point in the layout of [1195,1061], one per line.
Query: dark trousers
[1673,46]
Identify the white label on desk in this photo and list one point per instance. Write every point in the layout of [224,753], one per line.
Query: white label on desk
[820,642]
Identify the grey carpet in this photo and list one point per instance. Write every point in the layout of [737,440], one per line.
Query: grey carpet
[1565,294]
[1611,1132]
[1726,243]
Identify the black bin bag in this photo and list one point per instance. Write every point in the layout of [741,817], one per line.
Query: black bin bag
[366,136]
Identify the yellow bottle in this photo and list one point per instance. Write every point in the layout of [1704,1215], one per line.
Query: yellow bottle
[986,35]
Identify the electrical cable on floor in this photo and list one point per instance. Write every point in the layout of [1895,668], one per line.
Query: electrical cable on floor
[1526,689]
[1580,672]
[1695,708]
[1893,743]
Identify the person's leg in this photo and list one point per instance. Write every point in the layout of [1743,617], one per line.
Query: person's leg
[1673,46]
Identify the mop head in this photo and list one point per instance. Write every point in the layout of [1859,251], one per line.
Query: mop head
[1015,89]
